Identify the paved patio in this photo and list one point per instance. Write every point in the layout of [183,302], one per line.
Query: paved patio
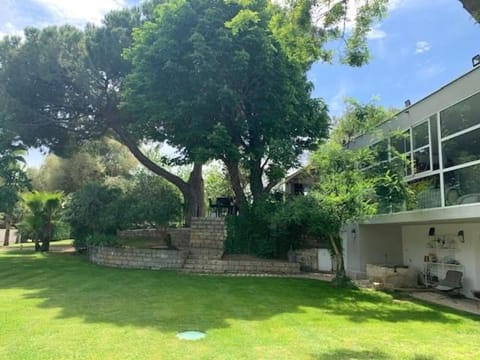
[462,304]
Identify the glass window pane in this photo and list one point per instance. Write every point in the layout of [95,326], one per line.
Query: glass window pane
[408,165]
[421,160]
[426,193]
[420,135]
[401,142]
[381,150]
[462,186]
[434,137]
[461,149]
[460,116]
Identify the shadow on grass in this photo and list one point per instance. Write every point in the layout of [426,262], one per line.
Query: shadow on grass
[362,355]
[170,301]
[352,354]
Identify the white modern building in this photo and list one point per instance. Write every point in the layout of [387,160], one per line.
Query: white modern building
[440,230]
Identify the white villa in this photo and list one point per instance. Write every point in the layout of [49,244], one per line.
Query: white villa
[441,231]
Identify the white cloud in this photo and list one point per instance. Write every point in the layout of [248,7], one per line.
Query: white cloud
[80,12]
[422,47]
[376,33]
[10,29]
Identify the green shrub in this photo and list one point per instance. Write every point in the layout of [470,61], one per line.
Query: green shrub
[102,240]
[61,231]
[94,209]
[274,227]
[253,232]
[151,202]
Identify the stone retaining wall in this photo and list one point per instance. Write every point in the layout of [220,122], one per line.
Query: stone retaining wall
[308,259]
[208,233]
[202,250]
[241,267]
[180,236]
[137,258]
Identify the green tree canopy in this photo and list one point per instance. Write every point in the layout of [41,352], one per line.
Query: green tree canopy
[358,119]
[103,161]
[249,101]
[252,106]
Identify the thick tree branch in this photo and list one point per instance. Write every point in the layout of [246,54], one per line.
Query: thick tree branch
[127,140]
[270,186]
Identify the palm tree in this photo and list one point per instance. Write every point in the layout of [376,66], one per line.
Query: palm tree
[12,177]
[43,212]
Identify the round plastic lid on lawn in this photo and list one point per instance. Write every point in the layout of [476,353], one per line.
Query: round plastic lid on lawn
[190,335]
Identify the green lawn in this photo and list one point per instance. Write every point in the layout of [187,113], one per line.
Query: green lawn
[59,306]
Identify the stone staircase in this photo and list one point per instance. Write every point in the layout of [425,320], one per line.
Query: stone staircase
[206,251]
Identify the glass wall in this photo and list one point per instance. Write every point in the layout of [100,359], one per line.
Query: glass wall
[441,157]
[460,132]
[426,193]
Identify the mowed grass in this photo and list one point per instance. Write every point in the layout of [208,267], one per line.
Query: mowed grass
[59,306]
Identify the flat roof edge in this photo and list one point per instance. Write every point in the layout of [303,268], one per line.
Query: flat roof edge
[459,213]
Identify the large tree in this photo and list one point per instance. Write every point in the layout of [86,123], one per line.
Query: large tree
[63,85]
[227,80]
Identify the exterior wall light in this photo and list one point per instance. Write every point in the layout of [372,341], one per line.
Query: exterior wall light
[461,236]
[476,60]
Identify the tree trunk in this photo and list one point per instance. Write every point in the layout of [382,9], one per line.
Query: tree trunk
[48,237]
[340,266]
[195,196]
[234,173]
[192,191]
[45,245]
[8,220]
[256,183]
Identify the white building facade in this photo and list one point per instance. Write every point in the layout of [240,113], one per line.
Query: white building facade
[440,230]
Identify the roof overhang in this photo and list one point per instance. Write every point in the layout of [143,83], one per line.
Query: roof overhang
[451,214]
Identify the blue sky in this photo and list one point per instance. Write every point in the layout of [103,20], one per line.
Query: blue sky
[420,46]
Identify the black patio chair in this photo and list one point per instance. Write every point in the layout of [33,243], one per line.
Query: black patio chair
[452,281]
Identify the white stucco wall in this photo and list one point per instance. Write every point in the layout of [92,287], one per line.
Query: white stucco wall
[372,244]
[415,238]
[13,235]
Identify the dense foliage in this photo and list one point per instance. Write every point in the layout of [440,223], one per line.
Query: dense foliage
[254,107]
[94,209]
[151,202]
[42,215]
[102,161]
[215,79]
[13,179]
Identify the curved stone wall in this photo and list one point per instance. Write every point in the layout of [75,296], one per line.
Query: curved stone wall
[153,259]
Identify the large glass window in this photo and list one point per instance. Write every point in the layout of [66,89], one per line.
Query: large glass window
[421,149]
[434,142]
[401,142]
[460,116]
[400,148]
[462,186]
[420,135]
[426,193]
[421,160]
[461,149]
[381,150]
